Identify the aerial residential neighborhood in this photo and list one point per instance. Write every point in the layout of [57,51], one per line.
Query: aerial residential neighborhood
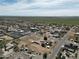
[39,29]
[23,39]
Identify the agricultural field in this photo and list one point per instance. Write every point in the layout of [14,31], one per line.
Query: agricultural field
[51,21]
[44,20]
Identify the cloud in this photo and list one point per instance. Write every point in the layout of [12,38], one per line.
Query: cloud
[39,7]
[61,12]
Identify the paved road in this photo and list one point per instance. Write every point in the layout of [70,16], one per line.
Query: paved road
[60,44]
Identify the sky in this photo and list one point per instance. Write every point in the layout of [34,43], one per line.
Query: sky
[39,7]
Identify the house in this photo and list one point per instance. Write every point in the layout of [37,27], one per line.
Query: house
[56,34]
[77,37]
